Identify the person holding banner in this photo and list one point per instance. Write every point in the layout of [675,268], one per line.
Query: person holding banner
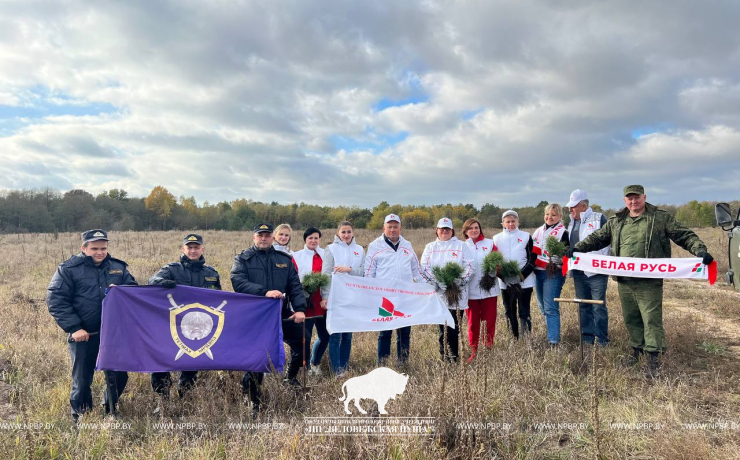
[549,285]
[447,248]
[344,255]
[283,233]
[75,300]
[307,260]
[191,270]
[481,303]
[642,230]
[263,271]
[390,256]
[588,285]
[516,244]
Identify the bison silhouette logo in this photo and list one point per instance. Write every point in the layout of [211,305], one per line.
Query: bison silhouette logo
[381,385]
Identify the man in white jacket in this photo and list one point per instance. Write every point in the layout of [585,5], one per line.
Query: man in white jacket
[583,222]
[390,256]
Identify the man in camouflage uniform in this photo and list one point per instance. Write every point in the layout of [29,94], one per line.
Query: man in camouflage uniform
[191,270]
[642,230]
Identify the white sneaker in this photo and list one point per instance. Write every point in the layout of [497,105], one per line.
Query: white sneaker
[315,371]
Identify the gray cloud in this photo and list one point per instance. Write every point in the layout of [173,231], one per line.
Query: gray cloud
[522,101]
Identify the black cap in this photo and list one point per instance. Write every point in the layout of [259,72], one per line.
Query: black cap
[192,238]
[262,228]
[94,235]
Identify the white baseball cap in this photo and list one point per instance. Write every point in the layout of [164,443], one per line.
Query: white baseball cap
[392,217]
[576,197]
[510,212]
[444,223]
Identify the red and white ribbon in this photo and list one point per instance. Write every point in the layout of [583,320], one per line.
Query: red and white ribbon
[689,267]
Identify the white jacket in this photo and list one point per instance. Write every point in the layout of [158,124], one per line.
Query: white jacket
[304,260]
[513,245]
[340,253]
[438,253]
[480,250]
[281,248]
[590,222]
[383,262]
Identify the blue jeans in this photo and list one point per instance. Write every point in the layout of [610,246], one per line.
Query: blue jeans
[403,344]
[594,318]
[321,342]
[547,289]
[340,346]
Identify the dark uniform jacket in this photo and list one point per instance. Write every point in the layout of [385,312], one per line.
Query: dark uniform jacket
[75,294]
[188,273]
[256,272]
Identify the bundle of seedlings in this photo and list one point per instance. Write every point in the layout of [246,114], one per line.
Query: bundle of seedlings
[554,247]
[491,266]
[511,274]
[449,275]
[314,281]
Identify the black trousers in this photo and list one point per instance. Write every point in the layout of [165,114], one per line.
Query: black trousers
[84,356]
[161,382]
[453,334]
[522,298]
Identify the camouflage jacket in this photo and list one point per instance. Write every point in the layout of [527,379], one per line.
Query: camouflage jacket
[664,228]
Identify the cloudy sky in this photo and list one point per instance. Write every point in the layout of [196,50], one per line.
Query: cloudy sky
[355,102]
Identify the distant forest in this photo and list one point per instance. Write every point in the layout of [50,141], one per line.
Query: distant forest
[48,210]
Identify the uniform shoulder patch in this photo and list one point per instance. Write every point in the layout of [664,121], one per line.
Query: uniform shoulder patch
[116,271]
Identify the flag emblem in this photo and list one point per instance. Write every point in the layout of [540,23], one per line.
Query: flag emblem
[697,268]
[196,323]
[387,312]
[519,240]
[590,225]
[575,262]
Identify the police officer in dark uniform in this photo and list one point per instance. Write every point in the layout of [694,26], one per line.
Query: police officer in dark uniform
[263,271]
[191,270]
[75,299]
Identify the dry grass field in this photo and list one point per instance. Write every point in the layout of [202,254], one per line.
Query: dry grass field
[520,400]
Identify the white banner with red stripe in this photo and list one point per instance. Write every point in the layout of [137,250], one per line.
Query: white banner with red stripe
[689,267]
[358,304]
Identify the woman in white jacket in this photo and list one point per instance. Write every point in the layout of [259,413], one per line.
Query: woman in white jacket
[344,255]
[447,248]
[516,244]
[311,259]
[481,303]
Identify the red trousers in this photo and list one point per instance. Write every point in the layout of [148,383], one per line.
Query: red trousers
[481,310]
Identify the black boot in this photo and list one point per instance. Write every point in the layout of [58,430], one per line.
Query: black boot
[633,359]
[654,364]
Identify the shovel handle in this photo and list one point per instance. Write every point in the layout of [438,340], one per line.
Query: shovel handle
[594,302]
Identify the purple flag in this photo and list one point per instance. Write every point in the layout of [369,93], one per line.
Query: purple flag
[155,329]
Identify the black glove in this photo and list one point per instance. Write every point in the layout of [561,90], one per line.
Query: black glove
[569,252]
[706,259]
[169,284]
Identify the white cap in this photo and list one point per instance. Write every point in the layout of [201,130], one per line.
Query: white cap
[392,217]
[510,212]
[444,223]
[576,197]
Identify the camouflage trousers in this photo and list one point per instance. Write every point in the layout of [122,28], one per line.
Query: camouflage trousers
[642,309]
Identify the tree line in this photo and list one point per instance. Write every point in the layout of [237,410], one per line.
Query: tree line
[48,210]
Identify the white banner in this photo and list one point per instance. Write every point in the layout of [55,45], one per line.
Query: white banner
[359,304]
[690,267]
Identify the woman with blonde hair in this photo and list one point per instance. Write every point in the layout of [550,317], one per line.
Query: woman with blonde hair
[282,238]
[548,284]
